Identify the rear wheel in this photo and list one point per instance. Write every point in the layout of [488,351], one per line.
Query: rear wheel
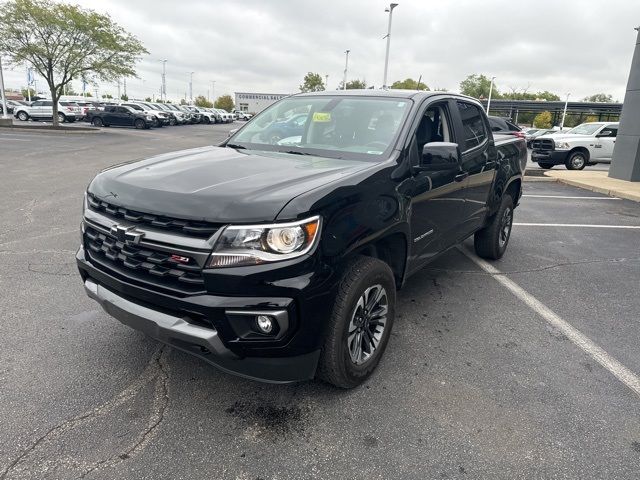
[360,324]
[546,166]
[24,116]
[207,120]
[576,161]
[491,242]
[61,118]
[140,124]
[97,122]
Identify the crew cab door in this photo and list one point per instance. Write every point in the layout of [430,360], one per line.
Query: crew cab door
[605,141]
[479,162]
[437,198]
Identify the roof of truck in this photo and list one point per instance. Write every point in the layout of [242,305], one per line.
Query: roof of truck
[392,93]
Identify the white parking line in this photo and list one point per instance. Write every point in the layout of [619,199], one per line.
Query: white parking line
[578,225]
[621,372]
[571,198]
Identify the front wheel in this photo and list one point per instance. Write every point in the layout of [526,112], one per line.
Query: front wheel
[360,324]
[23,116]
[140,124]
[546,166]
[61,118]
[491,242]
[576,161]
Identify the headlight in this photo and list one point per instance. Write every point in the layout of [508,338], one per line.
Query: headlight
[563,146]
[149,117]
[256,244]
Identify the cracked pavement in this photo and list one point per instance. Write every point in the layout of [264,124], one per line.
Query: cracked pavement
[473,384]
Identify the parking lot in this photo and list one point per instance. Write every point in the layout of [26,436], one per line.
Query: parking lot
[524,368]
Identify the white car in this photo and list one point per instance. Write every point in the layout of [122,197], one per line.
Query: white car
[586,144]
[43,109]
[226,116]
[240,115]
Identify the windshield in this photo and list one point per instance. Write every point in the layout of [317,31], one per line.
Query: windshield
[134,106]
[585,129]
[330,126]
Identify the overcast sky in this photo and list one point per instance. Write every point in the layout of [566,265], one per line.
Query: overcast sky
[577,46]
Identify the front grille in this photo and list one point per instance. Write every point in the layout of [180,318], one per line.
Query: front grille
[543,144]
[192,228]
[149,266]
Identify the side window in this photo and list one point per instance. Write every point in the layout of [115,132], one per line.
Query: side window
[433,127]
[122,110]
[473,125]
[37,104]
[512,127]
[612,129]
[109,109]
[47,104]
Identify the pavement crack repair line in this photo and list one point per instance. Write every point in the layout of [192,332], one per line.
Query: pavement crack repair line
[579,339]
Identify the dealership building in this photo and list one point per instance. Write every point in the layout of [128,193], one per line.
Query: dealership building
[256,102]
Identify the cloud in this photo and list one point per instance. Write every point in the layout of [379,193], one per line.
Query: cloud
[252,45]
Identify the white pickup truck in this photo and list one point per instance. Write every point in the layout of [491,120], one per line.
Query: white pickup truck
[586,144]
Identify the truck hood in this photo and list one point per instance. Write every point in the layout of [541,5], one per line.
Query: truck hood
[218,184]
[563,137]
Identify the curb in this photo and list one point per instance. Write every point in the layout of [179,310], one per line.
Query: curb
[605,191]
[47,129]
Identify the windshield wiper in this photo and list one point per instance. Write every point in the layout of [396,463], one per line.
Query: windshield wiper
[236,146]
[295,152]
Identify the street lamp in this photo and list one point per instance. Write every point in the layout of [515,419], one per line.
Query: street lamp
[346,66]
[4,97]
[191,86]
[490,92]
[213,87]
[163,91]
[564,114]
[388,37]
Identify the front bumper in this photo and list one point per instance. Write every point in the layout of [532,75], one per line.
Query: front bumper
[202,325]
[552,157]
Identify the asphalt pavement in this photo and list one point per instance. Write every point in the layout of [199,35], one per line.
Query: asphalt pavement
[478,381]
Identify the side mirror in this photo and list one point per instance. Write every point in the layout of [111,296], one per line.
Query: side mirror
[440,156]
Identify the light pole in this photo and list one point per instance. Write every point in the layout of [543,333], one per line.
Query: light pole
[213,90]
[564,114]
[386,57]
[326,82]
[346,66]
[191,86]
[490,92]
[163,91]
[4,97]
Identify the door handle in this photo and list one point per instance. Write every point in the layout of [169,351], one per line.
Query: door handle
[461,176]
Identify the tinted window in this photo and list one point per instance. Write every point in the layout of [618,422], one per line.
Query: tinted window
[473,125]
[37,104]
[612,129]
[47,104]
[109,109]
[512,127]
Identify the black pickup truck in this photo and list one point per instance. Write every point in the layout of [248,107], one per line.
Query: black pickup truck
[280,260]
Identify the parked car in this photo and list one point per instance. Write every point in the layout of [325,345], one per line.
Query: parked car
[280,262]
[123,116]
[534,133]
[216,114]
[240,115]
[586,144]
[161,117]
[290,127]
[226,116]
[205,115]
[10,106]
[176,115]
[504,126]
[43,109]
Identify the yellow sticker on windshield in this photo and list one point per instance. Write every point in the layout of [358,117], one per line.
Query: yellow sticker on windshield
[321,117]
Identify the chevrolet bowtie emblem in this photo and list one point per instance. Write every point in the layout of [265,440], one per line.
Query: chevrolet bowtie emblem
[128,235]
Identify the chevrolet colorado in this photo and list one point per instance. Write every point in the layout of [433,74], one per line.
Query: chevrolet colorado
[280,261]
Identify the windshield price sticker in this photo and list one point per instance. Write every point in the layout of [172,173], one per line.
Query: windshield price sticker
[321,117]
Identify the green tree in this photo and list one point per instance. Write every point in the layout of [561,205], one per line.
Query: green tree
[107,96]
[543,120]
[148,99]
[25,93]
[63,41]
[478,86]
[183,101]
[409,84]
[201,101]
[312,82]
[356,84]
[548,96]
[88,94]
[225,102]
[599,97]
[124,97]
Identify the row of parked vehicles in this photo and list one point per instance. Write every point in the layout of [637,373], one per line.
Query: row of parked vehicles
[135,113]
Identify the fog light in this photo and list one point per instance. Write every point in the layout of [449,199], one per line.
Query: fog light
[265,324]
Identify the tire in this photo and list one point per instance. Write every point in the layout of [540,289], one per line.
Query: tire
[139,124]
[156,123]
[546,166]
[344,361]
[491,242]
[23,116]
[577,161]
[97,122]
[72,120]
[61,118]
[207,120]
[172,122]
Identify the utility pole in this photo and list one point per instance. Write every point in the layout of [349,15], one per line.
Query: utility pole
[191,87]
[124,81]
[564,114]
[490,92]
[326,82]
[346,66]
[4,97]
[29,82]
[388,37]
[163,91]
[213,90]
[119,90]
[419,80]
